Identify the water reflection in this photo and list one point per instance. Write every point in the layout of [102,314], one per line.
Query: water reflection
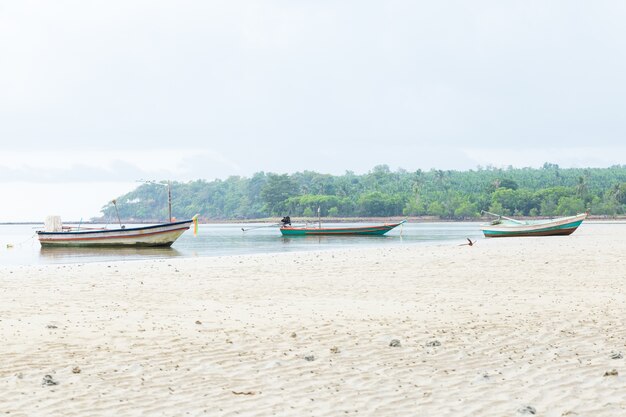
[337,239]
[74,254]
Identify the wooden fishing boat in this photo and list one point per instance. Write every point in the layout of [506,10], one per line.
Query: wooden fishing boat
[375,230]
[507,227]
[158,235]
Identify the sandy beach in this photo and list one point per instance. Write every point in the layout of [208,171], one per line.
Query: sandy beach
[507,327]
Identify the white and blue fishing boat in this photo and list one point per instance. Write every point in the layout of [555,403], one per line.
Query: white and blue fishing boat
[507,227]
[158,235]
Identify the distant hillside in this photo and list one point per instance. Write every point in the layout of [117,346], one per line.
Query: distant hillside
[547,191]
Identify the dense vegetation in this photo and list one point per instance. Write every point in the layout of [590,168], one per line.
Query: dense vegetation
[548,191]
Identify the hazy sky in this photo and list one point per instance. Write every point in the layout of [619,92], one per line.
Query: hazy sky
[97,94]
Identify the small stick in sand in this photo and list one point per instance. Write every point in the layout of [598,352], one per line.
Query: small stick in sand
[243,392]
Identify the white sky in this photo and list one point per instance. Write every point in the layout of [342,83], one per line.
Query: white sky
[95,95]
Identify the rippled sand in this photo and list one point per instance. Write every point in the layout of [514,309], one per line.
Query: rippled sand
[503,328]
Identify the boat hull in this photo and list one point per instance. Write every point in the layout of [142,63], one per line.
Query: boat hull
[161,235]
[377,230]
[558,227]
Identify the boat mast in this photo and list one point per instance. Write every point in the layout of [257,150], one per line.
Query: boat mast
[169,193]
[169,198]
[114,201]
[319,217]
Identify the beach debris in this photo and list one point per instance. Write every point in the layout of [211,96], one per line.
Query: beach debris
[48,380]
[76,370]
[395,343]
[612,372]
[527,409]
[198,322]
[616,355]
[244,392]
[470,242]
[334,349]
[309,358]
[51,326]
[433,343]
[293,334]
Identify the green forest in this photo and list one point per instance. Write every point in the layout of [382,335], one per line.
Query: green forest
[452,195]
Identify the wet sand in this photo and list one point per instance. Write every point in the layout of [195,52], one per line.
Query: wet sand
[503,328]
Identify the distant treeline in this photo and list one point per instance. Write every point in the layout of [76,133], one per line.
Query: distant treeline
[547,191]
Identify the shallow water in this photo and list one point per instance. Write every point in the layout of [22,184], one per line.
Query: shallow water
[224,240]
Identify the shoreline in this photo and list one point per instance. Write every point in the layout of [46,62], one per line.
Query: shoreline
[75,256]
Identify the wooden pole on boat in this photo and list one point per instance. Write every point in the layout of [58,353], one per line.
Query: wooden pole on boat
[169,198]
[117,212]
[169,193]
[319,217]
[501,216]
[258,227]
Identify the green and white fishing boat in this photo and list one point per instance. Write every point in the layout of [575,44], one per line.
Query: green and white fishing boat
[507,227]
[374,230]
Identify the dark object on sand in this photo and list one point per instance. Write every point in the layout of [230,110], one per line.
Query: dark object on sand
[527,409]
[243,392]
[394,343]
[48,381]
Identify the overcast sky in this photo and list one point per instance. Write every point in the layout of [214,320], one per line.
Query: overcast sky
[95,95]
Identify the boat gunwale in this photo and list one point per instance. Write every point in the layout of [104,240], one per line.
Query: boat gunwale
[91,238]
[108,231]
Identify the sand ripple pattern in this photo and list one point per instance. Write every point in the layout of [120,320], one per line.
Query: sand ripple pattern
[497,329]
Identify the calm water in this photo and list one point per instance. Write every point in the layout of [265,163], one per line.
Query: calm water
[225,239]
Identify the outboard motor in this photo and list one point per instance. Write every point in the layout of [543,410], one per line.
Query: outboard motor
[286,221]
